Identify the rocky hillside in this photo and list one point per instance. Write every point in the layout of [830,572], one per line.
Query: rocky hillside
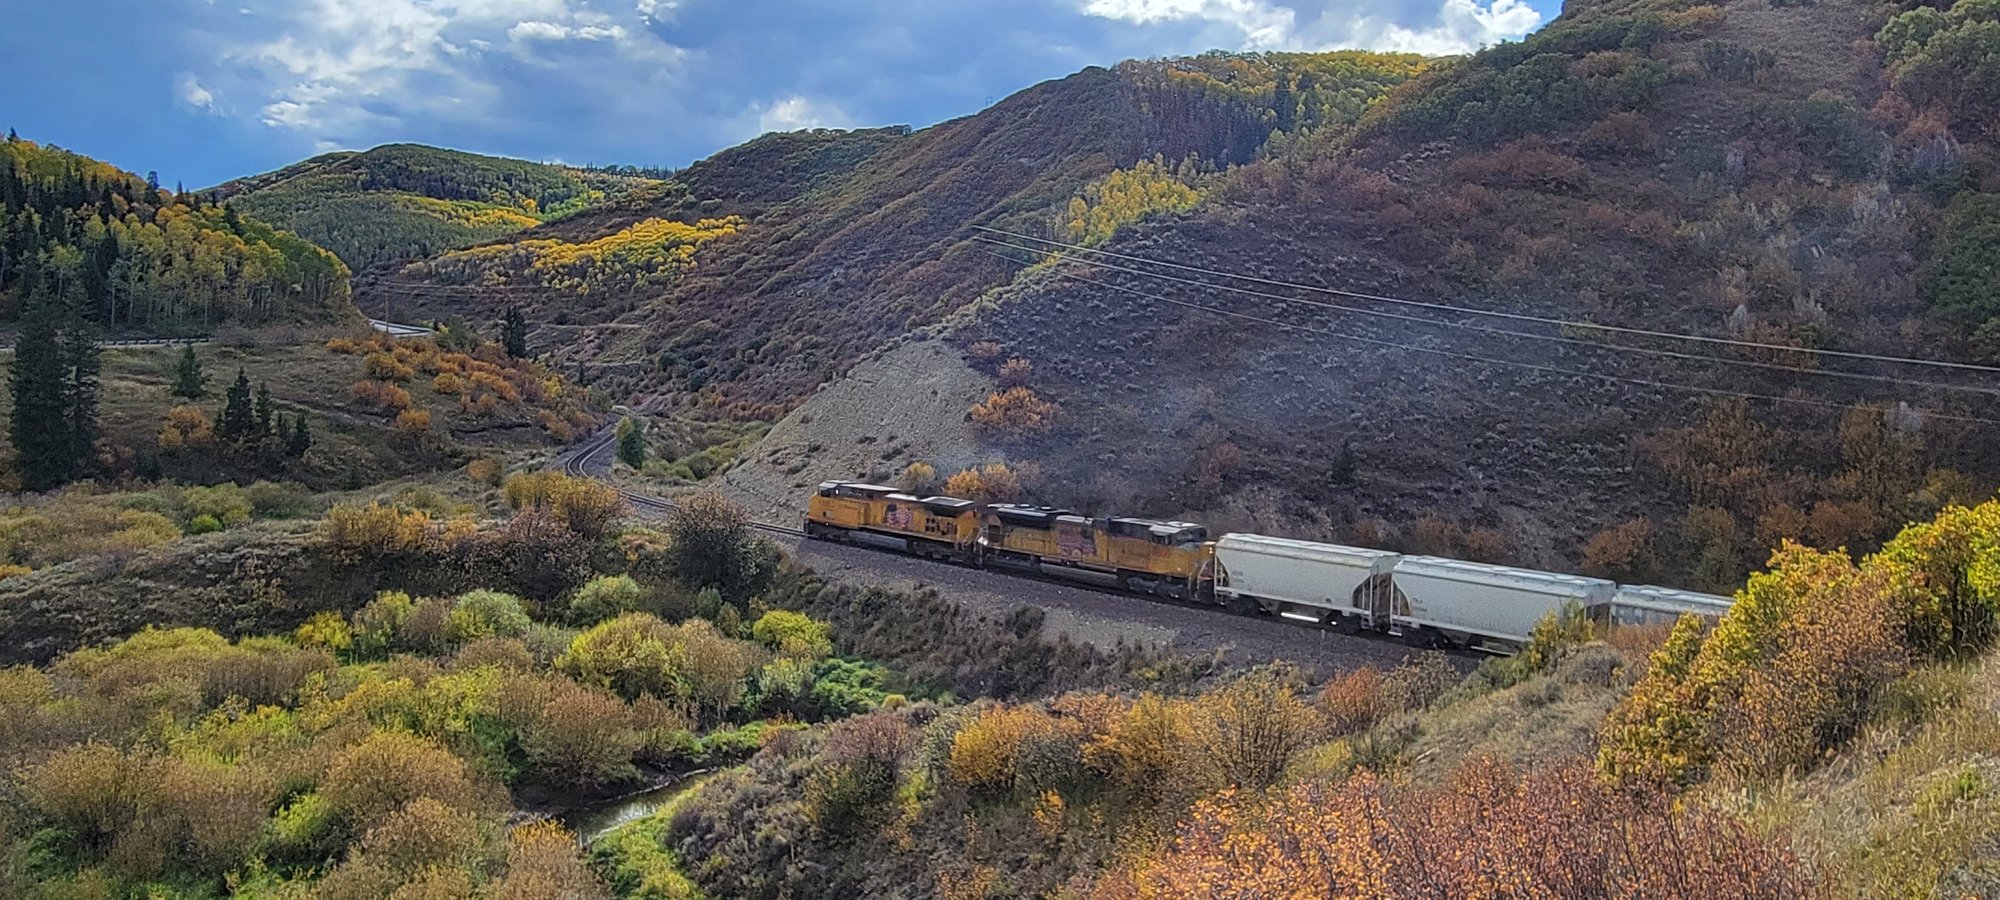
[405,200]
[1799,176]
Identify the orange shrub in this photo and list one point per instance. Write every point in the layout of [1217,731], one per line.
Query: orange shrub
[447,383]
[1016,372]
[186,426]
[585,505]
[414,421]
[496,385]
[485,470]
[387,367]
[347,346]
[918,478]
[482,406]
[356,532]
[1490,831]
[555,426]
[1354,701]
[991,483]
[1014,411]
[382,395]
[1622,550]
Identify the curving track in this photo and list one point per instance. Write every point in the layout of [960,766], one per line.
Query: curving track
[578,464]
[1085,614]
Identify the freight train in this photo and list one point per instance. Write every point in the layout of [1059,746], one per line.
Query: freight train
[1426,600]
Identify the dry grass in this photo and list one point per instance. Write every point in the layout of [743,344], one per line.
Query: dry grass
[1911,808]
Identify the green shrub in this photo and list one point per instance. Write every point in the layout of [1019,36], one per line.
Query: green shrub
[204,524]
[793,634]
[484,613]
[605,597]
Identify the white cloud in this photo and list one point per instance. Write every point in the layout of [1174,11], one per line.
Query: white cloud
[1263,26]
[796,113]
[1453,26]
[656,9]
[353,70]
[190,91]
[550,31]
[538,31]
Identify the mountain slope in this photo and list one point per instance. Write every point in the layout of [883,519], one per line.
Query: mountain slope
[405,200]
[1735,171]
[848,239]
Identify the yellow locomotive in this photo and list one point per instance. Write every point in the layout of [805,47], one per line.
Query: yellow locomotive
[1170,559]
[937,527]
[1150,556]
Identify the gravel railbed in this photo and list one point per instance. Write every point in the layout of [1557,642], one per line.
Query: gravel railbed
[1102,618]
[1088,615]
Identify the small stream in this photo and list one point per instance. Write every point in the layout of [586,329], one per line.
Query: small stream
[596,820]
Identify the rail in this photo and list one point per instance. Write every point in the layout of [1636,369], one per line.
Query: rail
[578,465]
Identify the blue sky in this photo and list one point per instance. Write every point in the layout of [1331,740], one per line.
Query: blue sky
[206,90]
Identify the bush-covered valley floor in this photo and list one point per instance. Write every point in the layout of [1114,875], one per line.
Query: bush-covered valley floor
[413,669]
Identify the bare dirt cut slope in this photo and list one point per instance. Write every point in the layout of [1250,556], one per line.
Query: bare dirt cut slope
[904,406]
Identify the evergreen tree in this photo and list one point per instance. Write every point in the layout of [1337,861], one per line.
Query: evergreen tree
[189,382]
[238,419]
[39,428]
[631,443]
[81,387]
[1284,102]
[301,438]
[266,423]
[514,333]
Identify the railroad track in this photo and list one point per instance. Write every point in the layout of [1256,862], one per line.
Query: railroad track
[578,465]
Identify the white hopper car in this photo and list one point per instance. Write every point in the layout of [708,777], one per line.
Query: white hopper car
[1429,600]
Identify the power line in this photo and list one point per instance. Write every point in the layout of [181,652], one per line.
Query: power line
[1470,357]
[1523,317]
[1526,335]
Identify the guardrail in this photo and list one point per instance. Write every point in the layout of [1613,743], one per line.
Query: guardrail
[393,329]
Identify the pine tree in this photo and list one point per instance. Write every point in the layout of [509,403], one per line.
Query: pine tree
[81,388]
[631,443]
[266,424]
[514,333]
[301,438]
[189,381]
[39,428]
[1284,103]
[238,420]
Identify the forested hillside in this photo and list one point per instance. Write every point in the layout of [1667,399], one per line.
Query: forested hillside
[847,239]
[1815,177]
[404,200]
[139,258]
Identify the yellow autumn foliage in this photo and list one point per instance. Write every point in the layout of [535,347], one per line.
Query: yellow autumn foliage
[651,251]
